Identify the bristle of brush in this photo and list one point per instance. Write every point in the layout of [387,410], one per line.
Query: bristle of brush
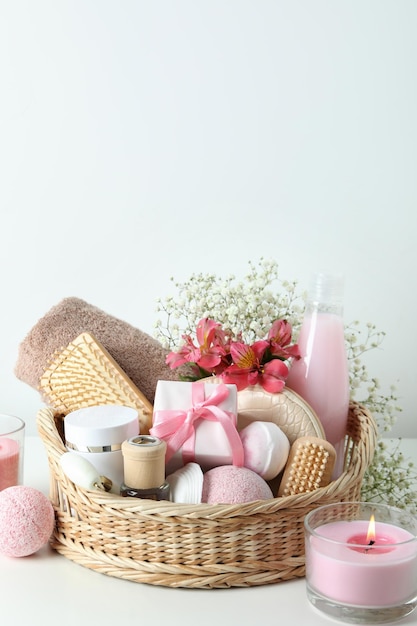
[309,466]
[85,374]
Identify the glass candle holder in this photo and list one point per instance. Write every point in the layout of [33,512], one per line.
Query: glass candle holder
[361,562]
[12,439]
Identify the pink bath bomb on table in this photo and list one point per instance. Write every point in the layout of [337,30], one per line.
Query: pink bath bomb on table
[26,520]
[228,484]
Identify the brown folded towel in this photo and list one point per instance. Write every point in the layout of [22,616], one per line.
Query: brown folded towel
[140,356]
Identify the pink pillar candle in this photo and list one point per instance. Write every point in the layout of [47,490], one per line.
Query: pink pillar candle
[9,462]
[382,574]
[346,565]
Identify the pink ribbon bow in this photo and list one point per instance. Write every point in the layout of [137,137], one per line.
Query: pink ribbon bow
[177,427]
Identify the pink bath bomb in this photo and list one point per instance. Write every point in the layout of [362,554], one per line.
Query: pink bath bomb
[228,484]
[26,520]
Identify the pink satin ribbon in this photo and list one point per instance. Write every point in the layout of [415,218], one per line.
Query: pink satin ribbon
[177,427]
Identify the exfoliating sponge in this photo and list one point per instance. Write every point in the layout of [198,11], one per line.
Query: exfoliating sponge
[26,520]
[229,484]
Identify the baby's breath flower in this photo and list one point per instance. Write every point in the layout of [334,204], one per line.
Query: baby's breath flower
[249,307]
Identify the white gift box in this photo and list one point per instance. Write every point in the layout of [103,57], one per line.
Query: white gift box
[206,415]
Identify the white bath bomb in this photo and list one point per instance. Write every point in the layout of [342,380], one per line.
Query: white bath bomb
[266,448]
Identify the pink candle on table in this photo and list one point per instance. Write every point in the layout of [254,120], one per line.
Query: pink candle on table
[355,562]
[9,462]
[382,574]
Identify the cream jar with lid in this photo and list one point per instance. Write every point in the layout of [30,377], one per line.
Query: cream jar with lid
[97,433]
[144,468]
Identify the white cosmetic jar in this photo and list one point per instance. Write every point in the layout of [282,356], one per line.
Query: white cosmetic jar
[97,433]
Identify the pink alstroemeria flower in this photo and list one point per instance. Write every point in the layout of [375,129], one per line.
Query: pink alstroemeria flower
[279,338]
[188,353]
[212,341]
[248,369]
[208,354]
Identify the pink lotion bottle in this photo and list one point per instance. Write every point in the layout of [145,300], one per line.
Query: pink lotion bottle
[321,375]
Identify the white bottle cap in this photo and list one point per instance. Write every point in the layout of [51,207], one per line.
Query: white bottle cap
[327,287]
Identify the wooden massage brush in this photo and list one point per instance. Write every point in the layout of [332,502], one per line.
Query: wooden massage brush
[310,464]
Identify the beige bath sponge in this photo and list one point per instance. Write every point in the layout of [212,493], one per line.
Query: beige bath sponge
[139,355]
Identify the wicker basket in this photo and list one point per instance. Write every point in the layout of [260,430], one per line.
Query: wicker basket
[200,546]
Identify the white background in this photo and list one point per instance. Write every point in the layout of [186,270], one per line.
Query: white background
[141,140]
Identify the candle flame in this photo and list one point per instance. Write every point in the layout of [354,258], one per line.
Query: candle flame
[370,537]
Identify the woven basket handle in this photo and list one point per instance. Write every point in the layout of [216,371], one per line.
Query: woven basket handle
[45,421]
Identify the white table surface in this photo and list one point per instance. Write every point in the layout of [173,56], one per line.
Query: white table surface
[48,589]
